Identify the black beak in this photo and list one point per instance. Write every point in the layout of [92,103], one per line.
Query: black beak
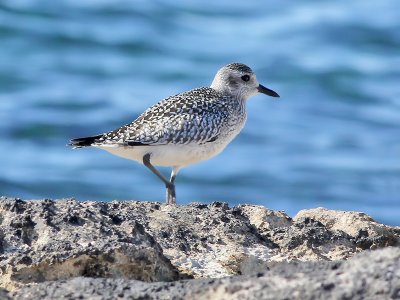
[266,91]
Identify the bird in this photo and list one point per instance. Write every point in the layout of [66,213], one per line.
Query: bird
[184,129]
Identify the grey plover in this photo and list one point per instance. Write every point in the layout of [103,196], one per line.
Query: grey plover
[186,128]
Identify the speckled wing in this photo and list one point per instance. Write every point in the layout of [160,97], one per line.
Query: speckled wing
[195,116]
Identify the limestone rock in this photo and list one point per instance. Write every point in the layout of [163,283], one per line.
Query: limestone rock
[208,240]
[52,240]
[109,245]
[369,275]
[367,233]
[264,218]
[319,234]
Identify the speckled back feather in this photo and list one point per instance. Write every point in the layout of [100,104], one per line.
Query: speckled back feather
[195,116]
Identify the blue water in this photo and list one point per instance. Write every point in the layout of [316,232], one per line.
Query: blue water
[75,68]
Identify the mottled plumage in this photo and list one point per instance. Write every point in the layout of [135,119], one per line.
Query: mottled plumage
[185,128]
[196,116]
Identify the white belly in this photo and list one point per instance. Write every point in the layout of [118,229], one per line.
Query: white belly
[169,155]
[179,155]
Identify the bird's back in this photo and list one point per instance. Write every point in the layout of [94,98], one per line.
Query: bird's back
[196,116]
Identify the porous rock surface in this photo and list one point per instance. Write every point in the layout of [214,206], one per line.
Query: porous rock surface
[105,247]
[370,275]
[52,240]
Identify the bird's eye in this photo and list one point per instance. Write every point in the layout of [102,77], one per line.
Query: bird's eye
[245,77]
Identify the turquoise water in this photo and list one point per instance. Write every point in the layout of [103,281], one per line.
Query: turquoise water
[76,68]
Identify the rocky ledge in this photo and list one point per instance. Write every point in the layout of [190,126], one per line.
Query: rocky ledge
[65,249]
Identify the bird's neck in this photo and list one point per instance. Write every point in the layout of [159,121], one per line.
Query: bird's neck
[219,86]
[226,91]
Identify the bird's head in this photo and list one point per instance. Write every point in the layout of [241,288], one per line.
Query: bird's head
[240,81]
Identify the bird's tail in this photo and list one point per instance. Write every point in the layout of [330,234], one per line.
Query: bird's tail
[84,141]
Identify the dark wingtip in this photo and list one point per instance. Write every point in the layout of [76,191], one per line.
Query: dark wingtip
[84,141]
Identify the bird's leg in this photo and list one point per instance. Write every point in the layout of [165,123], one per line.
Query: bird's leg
[173,176]
[171,197]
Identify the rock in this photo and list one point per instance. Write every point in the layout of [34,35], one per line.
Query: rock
[4,294]
[369,275]
[308,240]
[208,240]
[108,244]
[265,219]
[368,233]
[316,234]
[52,240]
